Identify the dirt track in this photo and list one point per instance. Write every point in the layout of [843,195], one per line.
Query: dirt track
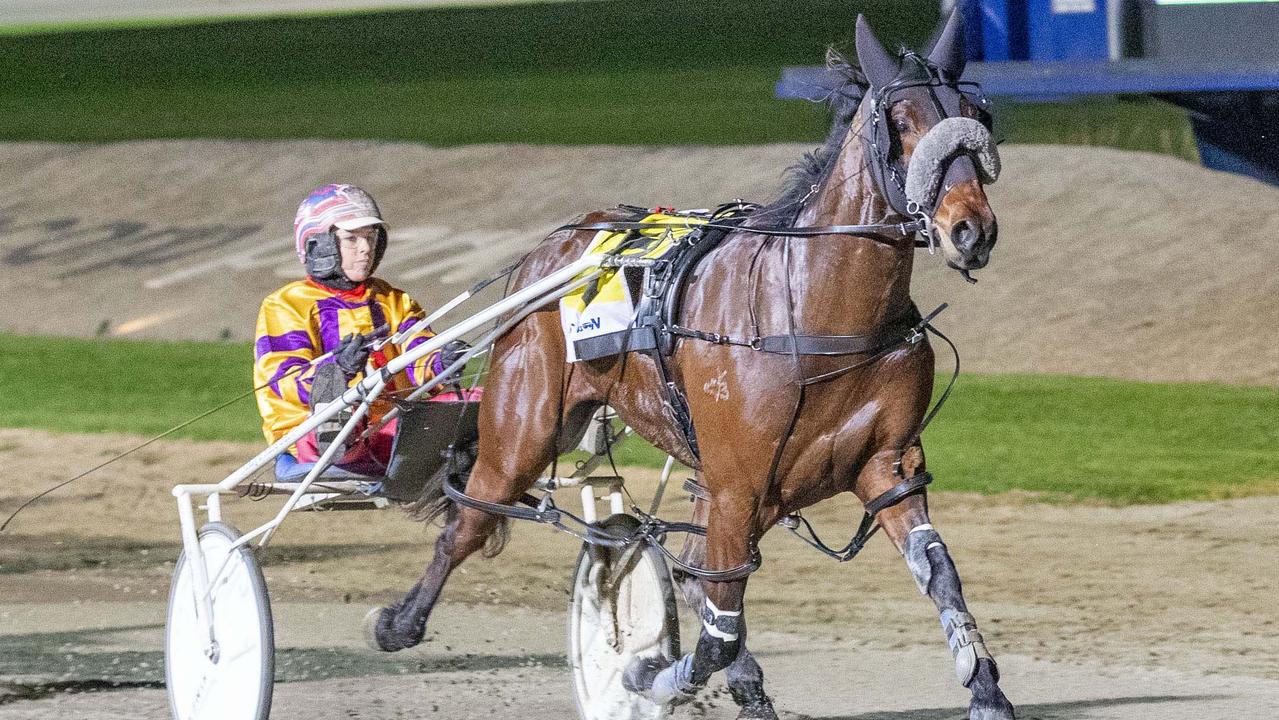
[1094,612]
[1102,268]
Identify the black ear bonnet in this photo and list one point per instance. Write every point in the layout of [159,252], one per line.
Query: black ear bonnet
[932,81]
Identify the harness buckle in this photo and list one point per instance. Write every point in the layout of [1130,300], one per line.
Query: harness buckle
[914,336]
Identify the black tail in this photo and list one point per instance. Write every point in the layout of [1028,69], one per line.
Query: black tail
[434,504]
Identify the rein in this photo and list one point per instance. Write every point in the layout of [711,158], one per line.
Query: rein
[885,233]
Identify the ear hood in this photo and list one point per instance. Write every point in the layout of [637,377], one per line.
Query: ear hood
[878,64]
[948,53]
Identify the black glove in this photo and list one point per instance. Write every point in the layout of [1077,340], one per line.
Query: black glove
[352,354]
[452,352]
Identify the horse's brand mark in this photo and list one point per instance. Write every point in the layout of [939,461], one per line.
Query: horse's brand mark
[717,387]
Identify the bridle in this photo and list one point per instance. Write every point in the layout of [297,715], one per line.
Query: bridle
[887,171]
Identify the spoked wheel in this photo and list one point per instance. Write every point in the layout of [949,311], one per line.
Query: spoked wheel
[230,676]
[623,607]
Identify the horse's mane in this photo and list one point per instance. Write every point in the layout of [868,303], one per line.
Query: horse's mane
[814,167]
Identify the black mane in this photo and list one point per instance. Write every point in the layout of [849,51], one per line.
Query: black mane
[814,167]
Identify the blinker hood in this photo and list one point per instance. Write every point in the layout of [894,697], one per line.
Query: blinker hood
[952,149]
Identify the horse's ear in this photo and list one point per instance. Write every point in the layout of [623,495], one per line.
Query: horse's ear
[947,52]
[879,66]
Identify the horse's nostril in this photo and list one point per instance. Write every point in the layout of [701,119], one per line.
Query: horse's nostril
[965,235]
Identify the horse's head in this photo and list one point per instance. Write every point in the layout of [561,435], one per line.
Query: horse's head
[928,142]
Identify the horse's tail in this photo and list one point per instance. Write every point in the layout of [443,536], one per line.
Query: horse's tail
[433,504]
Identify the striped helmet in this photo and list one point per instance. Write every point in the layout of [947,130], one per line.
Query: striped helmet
[345,207]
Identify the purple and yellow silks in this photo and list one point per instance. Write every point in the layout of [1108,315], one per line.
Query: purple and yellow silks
[304,320]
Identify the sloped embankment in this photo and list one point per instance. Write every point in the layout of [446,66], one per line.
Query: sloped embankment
[1109,263]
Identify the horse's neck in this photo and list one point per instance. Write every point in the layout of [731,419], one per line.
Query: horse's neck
[860,281]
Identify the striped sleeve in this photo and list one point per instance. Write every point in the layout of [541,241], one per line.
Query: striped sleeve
[284,347]
[425,369]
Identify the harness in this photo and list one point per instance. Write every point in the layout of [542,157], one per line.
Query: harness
[656,324]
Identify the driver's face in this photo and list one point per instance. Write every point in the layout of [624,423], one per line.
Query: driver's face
[358,248]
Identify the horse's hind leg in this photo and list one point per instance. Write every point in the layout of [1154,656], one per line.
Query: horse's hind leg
[745,677]
[907,525]
[403,624]
[520,427]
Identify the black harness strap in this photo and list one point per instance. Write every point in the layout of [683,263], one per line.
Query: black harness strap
[904,329]
[879,232]
[653,531]
[534,511]
[902,490]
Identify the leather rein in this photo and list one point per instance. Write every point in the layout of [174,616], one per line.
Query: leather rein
[885,233]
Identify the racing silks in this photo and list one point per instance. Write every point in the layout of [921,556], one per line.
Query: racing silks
[304,320]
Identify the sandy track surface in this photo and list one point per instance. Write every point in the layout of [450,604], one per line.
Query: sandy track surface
[1109,262]
[1094,612]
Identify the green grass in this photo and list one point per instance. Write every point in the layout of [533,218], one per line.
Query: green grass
[1061,437]
[593,72]
[126,386]
[1116,441]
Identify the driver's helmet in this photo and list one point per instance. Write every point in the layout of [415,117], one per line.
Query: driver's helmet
[345,207]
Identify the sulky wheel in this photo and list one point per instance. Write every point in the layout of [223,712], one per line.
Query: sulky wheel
[623,606]
[231,677]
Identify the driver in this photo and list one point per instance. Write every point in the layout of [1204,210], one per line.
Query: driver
[340,308]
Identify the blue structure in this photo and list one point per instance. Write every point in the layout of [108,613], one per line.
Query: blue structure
[1218,59]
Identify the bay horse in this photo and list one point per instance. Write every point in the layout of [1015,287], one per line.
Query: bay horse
[781,430]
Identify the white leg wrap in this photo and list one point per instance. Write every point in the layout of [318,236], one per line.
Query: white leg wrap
[674,684]
[727,630]
[966,644]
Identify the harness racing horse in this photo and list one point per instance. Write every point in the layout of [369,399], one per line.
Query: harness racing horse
[805,374]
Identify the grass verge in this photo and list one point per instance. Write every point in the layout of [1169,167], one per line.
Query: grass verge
[1058,437]
[637,72]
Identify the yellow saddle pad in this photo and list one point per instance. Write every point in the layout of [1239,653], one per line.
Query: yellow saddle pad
[605,306]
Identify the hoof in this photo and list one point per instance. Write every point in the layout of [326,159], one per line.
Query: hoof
[987,710]
[641,672]
[758,711]
[379,631]
[372,619]
[989,702]
[754,703]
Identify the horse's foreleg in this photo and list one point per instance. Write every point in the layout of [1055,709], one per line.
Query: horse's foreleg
[728,545]
[907,525]
[403,624]
[745,677]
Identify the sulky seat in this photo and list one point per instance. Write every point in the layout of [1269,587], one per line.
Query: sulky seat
[425,432]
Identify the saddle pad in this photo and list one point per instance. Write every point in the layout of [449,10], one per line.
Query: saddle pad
[605,306]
